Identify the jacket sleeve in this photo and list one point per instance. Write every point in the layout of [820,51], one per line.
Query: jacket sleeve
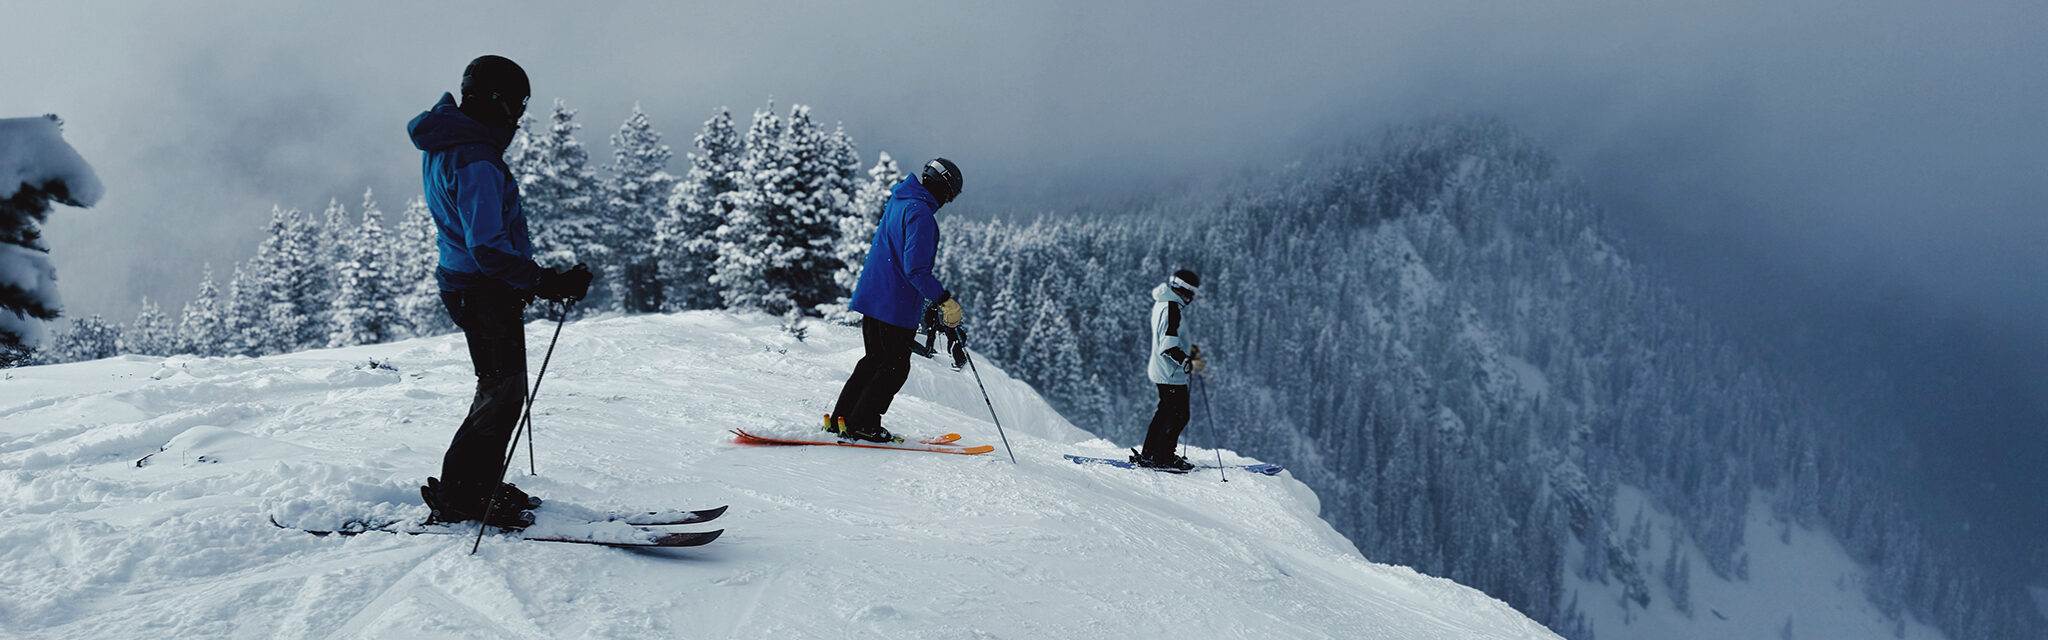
[920,246]
[480,203]
[1169,336]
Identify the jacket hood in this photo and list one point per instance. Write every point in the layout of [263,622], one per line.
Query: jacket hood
[446,126]
[1165,293]
[911,189]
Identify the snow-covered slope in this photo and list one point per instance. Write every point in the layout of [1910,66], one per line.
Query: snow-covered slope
[1796,583]
[135,493]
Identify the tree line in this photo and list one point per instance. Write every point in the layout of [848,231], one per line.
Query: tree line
[777,218]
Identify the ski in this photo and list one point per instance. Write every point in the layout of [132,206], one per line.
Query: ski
[613,537]
[1261,469]
[742,437]
[666,517]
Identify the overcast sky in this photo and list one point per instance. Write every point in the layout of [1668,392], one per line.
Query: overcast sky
[1866,177]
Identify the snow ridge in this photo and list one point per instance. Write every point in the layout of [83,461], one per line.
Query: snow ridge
[135,493]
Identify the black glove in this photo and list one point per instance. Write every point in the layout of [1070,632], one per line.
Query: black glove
[570,284]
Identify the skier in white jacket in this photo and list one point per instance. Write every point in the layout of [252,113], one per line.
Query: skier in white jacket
[1173,359]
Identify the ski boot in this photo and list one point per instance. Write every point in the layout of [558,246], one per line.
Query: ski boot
[1172,463]
[510,494]
[512,511]
[871,434]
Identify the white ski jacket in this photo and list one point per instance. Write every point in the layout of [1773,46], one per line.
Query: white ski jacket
[1169,342]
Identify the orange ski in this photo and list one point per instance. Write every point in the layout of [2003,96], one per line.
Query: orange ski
[743,437]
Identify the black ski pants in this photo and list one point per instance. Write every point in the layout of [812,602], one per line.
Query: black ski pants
[1163,436]
[878,376]
[493,321]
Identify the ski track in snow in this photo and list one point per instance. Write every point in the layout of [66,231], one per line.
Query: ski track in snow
[135,497]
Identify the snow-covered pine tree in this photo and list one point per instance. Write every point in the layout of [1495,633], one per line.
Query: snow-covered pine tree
[560,195]
[836,191]
[287,291]
[242,316]
[334,234]
[415,256]
[748,242]
[364,309]
[152,333]
[326,246]
[201,329]
[636,197]
[857,231]
[825,164]
[684,237]
[90,338]
[774,250]
[39,168]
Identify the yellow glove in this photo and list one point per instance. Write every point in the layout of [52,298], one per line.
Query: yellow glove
[1197,366]
[950,313]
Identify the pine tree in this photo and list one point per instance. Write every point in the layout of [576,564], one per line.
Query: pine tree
[364,311]
[326,247]
[152,333]
[685,244]
[37,168]
[560,195]
[774,251]
[201,330]
[243,315]
[414,258]
[90,338]
[636,197]
[287,286]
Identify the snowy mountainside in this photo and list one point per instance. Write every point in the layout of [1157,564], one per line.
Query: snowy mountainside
[135,494]
[1793,582]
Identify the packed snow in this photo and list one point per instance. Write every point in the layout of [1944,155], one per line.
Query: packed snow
[136,496]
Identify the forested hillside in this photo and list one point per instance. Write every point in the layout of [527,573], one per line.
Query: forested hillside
[1437,330]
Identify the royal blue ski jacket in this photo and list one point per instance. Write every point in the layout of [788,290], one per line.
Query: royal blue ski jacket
[897,277]
[474,199]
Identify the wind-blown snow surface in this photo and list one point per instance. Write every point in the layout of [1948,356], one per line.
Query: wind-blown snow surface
[135,492]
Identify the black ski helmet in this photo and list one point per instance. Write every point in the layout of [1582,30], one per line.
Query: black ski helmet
[942,178]
[499,81]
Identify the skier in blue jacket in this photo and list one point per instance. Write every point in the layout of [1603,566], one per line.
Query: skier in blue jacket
[487,276]
[891,294]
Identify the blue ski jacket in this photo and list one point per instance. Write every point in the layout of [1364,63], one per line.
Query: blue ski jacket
[474,199]
[897,277]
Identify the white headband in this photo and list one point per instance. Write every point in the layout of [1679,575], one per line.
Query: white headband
[1177,282]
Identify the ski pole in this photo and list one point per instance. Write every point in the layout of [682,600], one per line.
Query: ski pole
[524,423]
[1203,384]
[991,408]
